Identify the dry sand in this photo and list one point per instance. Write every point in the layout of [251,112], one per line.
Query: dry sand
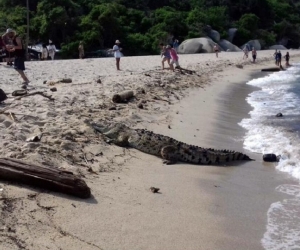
[200,207]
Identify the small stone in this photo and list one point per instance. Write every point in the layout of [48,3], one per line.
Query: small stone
[154,190]
[53,89]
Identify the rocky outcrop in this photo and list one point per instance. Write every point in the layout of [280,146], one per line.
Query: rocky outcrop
[214,35]
[231,34]
[228,46]
[252,44]
[280,47]
[196,45]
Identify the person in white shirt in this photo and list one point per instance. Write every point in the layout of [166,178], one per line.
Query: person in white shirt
[117,53]
[51,49]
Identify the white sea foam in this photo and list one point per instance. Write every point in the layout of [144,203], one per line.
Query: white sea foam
[280,93]
[283,228]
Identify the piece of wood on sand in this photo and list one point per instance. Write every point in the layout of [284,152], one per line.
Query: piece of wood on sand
[123,96]
[43,176]
[272,69]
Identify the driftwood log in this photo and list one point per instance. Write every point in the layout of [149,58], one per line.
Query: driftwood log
[44,177]
[123,96]
[273,69]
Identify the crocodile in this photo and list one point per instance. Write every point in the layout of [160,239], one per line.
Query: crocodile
[169,149]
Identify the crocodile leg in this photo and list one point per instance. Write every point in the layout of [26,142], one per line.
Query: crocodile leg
[168,153]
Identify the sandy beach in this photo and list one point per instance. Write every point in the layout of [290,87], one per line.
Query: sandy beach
[198,207]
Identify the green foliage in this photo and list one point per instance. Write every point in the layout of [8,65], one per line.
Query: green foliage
[142,24]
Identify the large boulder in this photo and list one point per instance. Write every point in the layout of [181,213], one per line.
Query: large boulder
[196,45]
[214,35]
[252,44]
[280,47]
[231,34]
[228,46]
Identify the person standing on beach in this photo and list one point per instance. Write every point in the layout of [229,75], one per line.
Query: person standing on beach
[287,59]
[246,52]
[216,49]
[44,52]
[81,50]
[174,57]
[19,51]
[51,49]
[165,54]
[176,45]
[6,39]
[279,59]
[276,57]
[254,54]
[117,53]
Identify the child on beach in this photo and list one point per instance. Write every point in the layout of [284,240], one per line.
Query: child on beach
[216,49]
[245,52]
[174,57]
[165,54]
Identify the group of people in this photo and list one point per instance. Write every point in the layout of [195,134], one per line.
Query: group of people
[278,57]
[170,56]
[48,51]
[253,52]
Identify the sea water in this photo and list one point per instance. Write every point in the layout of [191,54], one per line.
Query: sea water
[278,93]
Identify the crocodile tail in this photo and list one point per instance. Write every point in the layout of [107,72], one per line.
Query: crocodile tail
[242,157]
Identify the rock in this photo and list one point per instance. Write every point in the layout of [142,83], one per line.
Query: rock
[271,158]
[226,45]
[277,46]
[239,66]
[53,89]
[66,80]
[3,96]
[279,115]
[196,45]
[284,41]
[154,190]
[214,35]
[98,81]
[251,44]
[35,138]
[231,33]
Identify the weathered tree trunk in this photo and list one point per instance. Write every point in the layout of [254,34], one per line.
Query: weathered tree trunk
[123,96]
[44,177]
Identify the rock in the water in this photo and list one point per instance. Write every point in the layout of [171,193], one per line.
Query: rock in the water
[279,115]
[280,47]
[252,44]
[226,45]
[196,45]
[271,158]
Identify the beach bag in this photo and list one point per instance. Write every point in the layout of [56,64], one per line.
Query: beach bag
[3,96]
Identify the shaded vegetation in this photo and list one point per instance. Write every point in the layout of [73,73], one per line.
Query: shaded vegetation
[142,24]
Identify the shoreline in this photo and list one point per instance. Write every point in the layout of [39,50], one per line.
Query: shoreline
[200,207]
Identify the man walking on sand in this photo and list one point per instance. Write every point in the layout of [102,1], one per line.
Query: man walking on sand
[117,53]
[19,51]
[254,54]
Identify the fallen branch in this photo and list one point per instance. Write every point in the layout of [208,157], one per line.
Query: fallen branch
[43,176]
[36,93]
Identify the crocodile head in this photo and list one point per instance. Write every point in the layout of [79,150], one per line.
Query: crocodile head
[111,130]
